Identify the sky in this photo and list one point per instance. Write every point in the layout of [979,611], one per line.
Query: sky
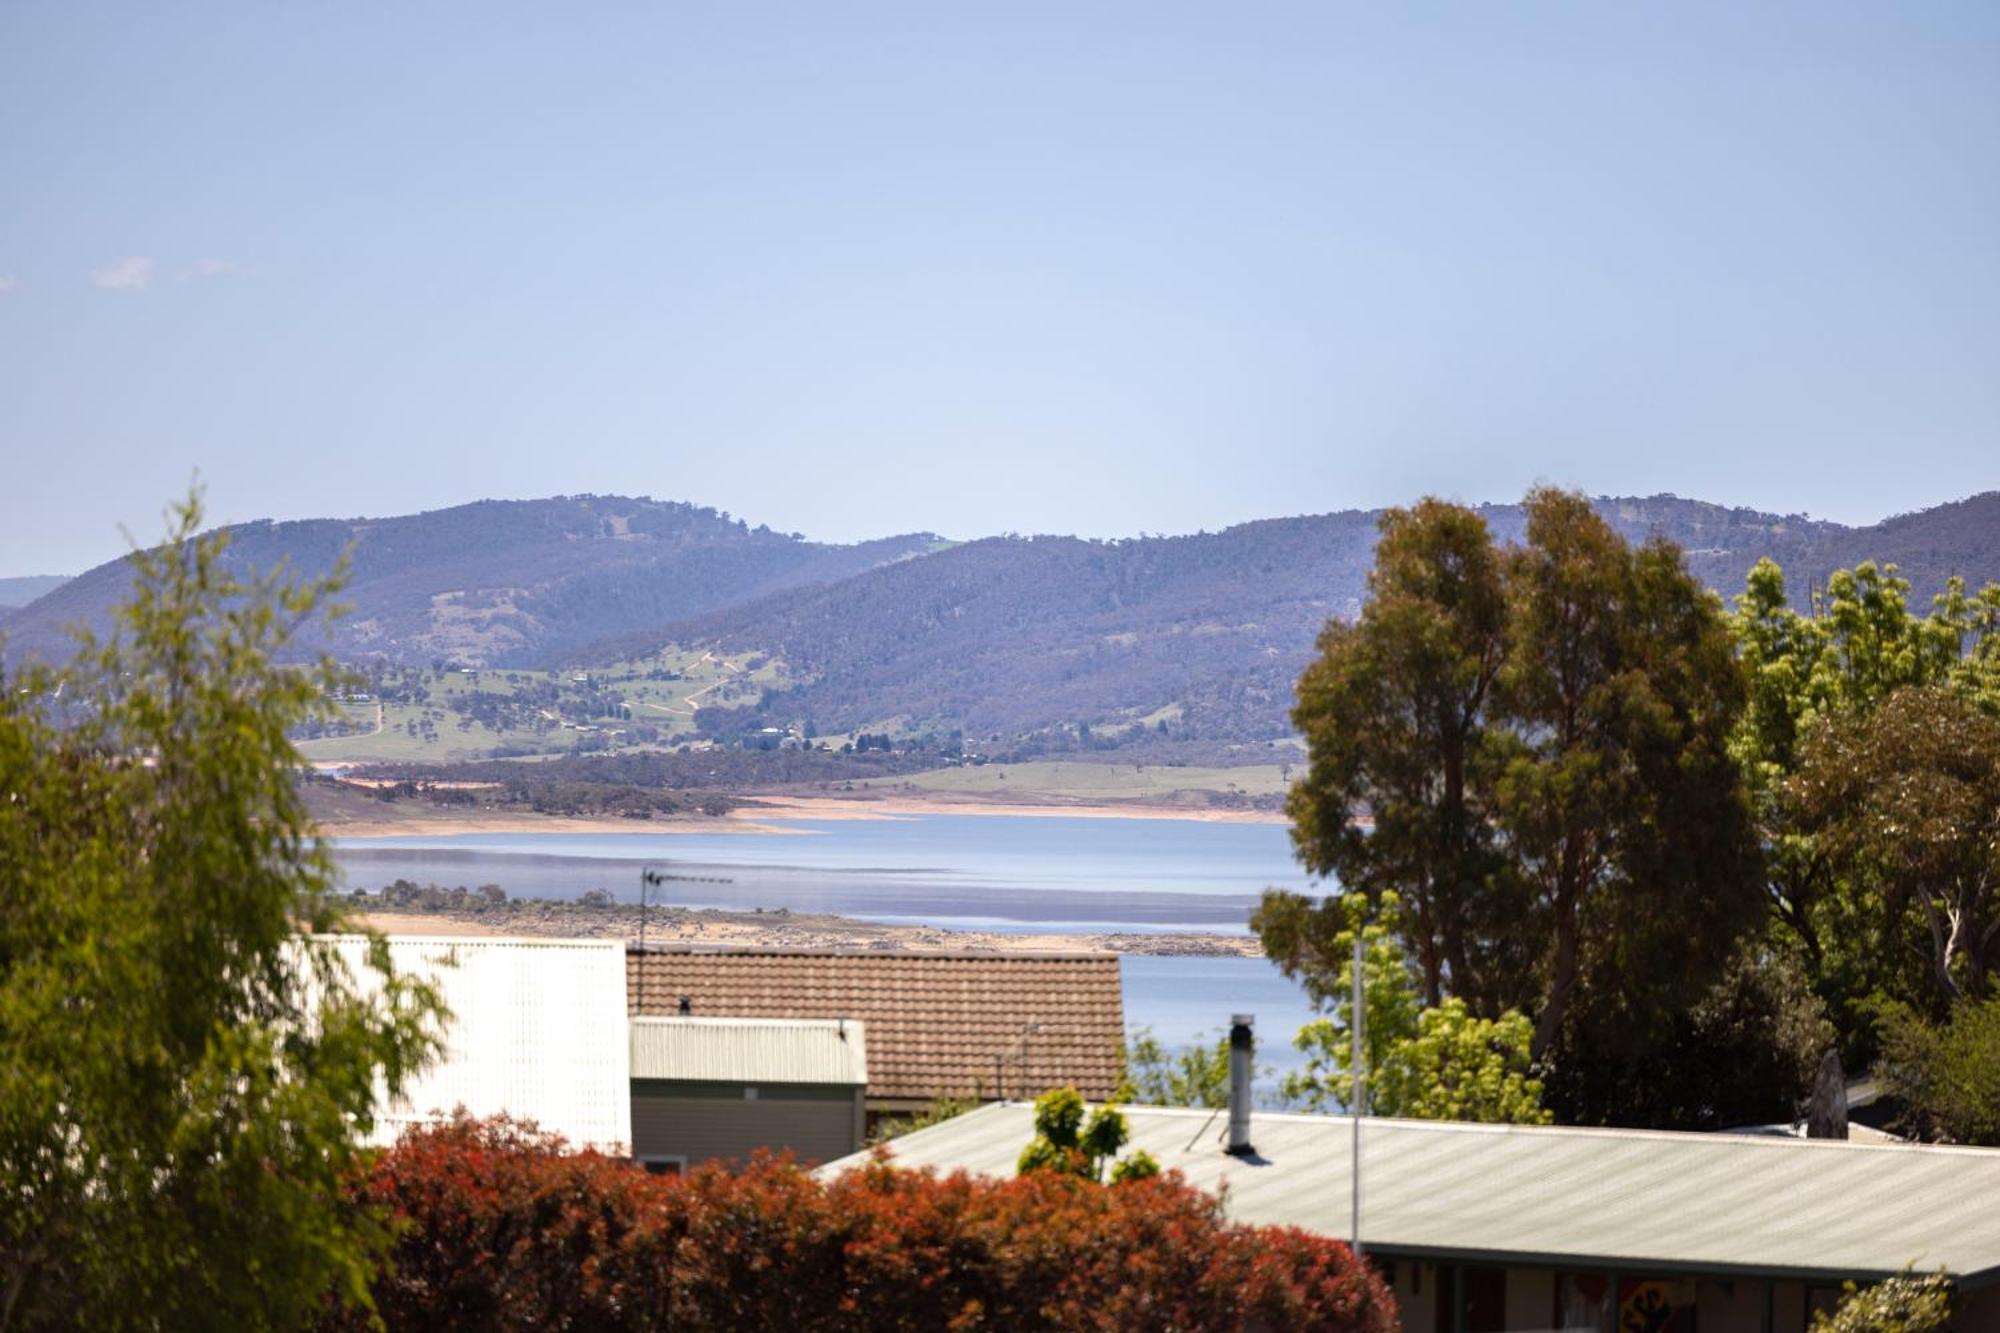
[861,269]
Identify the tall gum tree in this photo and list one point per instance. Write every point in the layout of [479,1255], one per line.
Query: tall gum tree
[1621,806]
[1531,748]
[1394,711]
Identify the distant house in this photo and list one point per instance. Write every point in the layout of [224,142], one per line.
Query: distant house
[970,1026]
[1490,1228]
[537,1032]
[706,1089]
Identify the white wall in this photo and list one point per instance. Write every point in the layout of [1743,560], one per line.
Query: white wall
[538,1032]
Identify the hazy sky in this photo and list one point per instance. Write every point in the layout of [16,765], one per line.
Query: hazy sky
[856,269]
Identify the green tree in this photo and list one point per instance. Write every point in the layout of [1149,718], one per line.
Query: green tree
[1395,712]
[1856,645]
[1423,1063]
[1905,1303]
[1196,1075]
[1068,1141]
[1536,744]
[1904,805]
[1621,805]
[184,1075]
[1946,1075]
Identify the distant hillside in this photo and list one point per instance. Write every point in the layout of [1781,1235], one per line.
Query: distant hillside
[501,582]
[1163,648]
[1016,641]
[18,592]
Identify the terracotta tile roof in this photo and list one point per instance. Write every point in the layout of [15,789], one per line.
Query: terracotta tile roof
[938,1024]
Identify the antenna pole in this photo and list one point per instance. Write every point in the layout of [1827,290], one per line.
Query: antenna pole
[647,878]
[1358,1096]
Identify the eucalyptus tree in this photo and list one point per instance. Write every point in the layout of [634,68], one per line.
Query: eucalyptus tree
[1395,711]
[1821,673]
[1621,806]
[1531,746]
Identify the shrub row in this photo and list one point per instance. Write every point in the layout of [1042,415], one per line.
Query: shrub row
[500,1227]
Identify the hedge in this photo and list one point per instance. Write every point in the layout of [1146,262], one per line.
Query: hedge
[501,1227]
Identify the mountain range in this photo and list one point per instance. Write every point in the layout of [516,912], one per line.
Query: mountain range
[501,581]
[1049,643]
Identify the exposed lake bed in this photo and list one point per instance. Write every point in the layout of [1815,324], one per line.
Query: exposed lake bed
[1172,895]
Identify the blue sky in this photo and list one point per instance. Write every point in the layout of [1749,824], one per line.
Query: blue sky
[1107,269]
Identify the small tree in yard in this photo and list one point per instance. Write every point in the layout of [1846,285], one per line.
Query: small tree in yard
[1067,1143]
[184,1079]
[1435,1063]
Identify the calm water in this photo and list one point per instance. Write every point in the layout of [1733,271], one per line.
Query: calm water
[1189,1000]
[991,872]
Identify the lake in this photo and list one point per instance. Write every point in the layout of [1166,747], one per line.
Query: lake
[984,872]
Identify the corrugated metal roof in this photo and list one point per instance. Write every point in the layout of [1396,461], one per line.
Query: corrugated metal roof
[939,1025]
[750,1050]
[1544,1195]
[537,1032]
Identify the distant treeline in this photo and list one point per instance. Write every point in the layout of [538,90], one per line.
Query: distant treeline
[661,773]
[545,793]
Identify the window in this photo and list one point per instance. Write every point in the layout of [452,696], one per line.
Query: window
[660,1165]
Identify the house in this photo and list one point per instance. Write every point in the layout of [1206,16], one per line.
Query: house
[968,1026]
[1487,1228]
[706,1089]
[536,1032]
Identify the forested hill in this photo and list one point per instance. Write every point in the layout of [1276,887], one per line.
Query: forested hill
[1021,639]
[502,582]
[1049,643]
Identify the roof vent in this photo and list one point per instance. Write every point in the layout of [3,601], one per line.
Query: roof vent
[1242,1053]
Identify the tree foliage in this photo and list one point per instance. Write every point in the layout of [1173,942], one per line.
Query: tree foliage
[1436,1062]
[504,1229]
[1905,1303]
[1946,1075]
[183,1078]
[1618,799]
[1903,803]
[1196,1075]
[1532,747]
[1069,1142]
[1830,668]
[1395,711]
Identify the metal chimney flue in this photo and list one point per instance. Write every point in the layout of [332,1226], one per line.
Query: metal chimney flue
[1242,1056]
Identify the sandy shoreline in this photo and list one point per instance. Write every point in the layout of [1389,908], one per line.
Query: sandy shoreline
[713,928]
[414,821]
[891,807]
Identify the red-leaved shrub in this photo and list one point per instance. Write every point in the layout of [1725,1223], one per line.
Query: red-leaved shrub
[501,1227]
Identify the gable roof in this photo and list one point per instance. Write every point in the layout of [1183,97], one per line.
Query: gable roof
[536,1031]
[939,1025]
[1543,1195]
[750,1050]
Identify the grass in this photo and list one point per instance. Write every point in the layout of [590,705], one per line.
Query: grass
[661,704]
[1073,780]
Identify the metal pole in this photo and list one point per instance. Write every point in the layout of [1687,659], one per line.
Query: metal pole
[647,878]
[1359,1093]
